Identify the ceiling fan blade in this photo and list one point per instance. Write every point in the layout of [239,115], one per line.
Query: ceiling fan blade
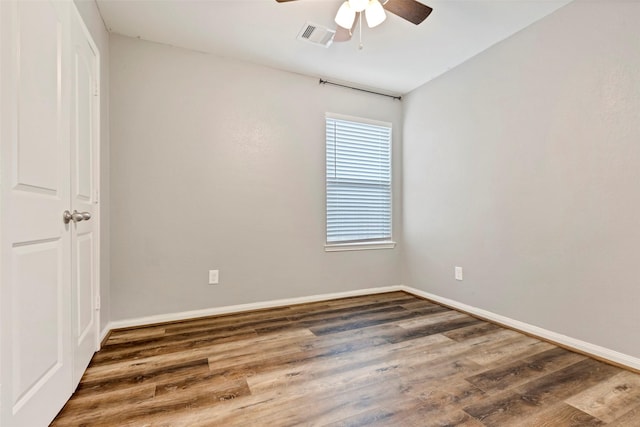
[344,35]
[284,1]
[411,10]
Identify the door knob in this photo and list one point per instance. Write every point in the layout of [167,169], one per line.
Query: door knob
[75,216]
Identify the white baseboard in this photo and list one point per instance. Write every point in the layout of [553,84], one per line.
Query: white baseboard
[105,332]
[185,315]
[562,340]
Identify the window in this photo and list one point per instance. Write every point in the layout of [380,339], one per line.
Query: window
[358,183]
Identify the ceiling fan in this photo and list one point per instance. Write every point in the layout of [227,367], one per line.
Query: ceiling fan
[374,11]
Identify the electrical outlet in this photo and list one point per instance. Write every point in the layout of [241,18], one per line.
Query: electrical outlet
[458,273]
[213,277]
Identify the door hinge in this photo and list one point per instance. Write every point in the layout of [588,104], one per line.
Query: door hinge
[96,194]
[96,90]
[98,302]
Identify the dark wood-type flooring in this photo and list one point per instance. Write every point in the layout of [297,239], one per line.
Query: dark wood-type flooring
[381,360]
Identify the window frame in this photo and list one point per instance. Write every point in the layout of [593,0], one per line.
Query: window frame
[357,245]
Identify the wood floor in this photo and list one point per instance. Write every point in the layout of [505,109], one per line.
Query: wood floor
[381,360]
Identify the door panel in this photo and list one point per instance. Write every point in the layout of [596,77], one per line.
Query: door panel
[83,103]
[39,40]
[36,244]
[85,319]
[36,284]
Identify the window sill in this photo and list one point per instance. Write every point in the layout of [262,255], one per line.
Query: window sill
[360,246]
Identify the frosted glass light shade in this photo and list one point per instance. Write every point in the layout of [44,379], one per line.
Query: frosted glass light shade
[358,5]
[345,16]
[375,14]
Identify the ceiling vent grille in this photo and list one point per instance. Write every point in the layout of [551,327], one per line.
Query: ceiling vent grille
[316,34]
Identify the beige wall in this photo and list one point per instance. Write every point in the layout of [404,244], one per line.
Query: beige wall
[219,164]
[92,19]
[523,167]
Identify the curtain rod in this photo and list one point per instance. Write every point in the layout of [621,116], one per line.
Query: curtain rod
[326,82]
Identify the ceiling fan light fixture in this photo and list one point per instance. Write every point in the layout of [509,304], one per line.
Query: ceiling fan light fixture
[375,14]
[358,5]
[346,15]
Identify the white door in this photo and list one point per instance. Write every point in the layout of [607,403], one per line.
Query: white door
[84,249]
[49,164]
[36,244]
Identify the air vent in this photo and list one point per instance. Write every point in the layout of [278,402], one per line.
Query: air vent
[316,34]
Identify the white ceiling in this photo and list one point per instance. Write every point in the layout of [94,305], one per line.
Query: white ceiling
[397,57]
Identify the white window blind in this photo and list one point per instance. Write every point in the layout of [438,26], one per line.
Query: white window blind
[358,181]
